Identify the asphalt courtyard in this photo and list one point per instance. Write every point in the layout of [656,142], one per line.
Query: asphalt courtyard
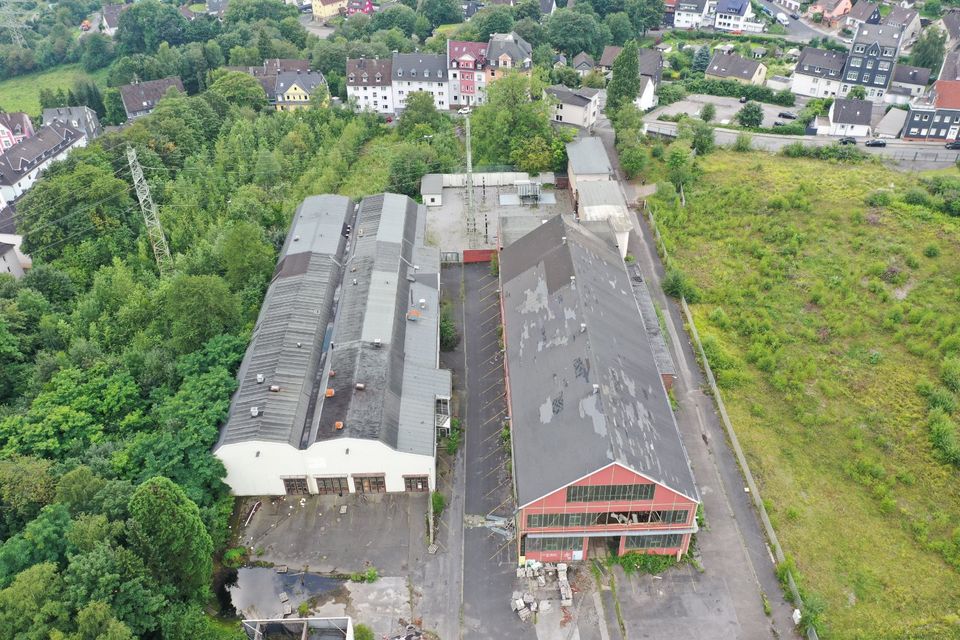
[490,558]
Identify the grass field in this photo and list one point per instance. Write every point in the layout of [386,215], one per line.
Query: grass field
[825,319]
[22,93]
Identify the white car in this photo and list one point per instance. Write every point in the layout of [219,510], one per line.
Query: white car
[464,111]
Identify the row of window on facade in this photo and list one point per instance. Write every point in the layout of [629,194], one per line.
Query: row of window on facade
[339,485]
[887,52]
[590,519]
[574,543]
[933,132]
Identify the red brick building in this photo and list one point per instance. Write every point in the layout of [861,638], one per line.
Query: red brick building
[598,462]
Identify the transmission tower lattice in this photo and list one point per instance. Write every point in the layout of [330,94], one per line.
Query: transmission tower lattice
[154,231]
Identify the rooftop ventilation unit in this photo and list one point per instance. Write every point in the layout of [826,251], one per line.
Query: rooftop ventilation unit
[583,327]
[377,342]
[596,388]
[275,388]
[338,426]
[361,386]
[259,378]
[254,411]
[329,393]
[573,279]
[423,303]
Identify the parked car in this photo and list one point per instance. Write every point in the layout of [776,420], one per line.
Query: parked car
[795,15]
[465,111]
[847,140]
[953,146]
[779,123]
[789,115]
[743,99]
[876,142]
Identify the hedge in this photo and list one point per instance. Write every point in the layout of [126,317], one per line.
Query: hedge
[732,89]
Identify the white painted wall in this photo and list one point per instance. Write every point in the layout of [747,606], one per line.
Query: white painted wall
[647,98]
[9,193]
[576,115]
[365,96]
[258,468]
[814,86]
[439,90]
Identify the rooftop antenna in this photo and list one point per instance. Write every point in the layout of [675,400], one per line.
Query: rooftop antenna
[154,231]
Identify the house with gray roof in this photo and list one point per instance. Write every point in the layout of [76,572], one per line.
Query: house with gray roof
[579,107]
[426,72]
[818,73]
[863,12]
[80,118]
[340,389]
[140,98]
[22,164]
[870,63]
[732,66]
[849,118]
[508,51]
[583,63]
[597,454]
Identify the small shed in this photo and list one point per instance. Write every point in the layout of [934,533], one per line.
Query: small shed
[431,189]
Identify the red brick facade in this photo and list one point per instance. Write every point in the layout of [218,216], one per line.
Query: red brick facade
[643,515]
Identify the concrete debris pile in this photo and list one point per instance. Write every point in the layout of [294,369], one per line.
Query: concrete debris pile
[526,603]
[566,593]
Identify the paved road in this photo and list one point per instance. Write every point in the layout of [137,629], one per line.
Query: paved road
[908,155]
[490,559]
[797,30]
[733,546]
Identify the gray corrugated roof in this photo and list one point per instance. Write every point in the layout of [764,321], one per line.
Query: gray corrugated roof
[587,156]
[892,123]
[661,354]
[399,373]
[732,65]
[287,346]
[563,337]
[595,193]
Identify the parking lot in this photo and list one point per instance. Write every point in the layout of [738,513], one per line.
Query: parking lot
[727,108]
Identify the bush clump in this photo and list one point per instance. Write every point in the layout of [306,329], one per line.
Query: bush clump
[677,285]
[651,563]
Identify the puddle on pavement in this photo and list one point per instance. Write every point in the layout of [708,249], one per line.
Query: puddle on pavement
[254,592]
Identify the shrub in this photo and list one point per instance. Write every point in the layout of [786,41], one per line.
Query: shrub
[732,89]
[879,199]
[940,398]
[677,285]
[950,373]
[931,251]
[235,557]
[439,502]
[916,196]
[362,632]
[449,336]
[635,562]
[744,142]
[370,575]
[943,437]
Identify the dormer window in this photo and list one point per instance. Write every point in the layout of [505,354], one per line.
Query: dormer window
[400,74]
[379,77]
[352,77]
[426,74]
[413,74]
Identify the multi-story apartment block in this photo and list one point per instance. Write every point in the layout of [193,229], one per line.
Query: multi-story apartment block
[871,60]
[467,69]
[414,72]
[370,84]
[508,51]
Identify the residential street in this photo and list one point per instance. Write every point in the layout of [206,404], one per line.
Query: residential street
[733,545]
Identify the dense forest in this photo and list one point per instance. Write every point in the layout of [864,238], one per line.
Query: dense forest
[113,381]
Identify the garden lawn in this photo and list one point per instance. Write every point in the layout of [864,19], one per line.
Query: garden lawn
[22,93]
[820,315]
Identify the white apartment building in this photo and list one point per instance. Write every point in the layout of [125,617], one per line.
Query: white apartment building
[370,85]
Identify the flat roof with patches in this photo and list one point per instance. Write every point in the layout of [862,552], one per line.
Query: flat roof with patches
[584,385]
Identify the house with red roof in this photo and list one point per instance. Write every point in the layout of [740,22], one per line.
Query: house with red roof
[466,63]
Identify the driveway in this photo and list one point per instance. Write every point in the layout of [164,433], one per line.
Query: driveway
[727,108]
[490,558]
[316,28]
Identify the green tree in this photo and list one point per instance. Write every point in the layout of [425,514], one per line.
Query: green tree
[247,258]
[146,24]
[565,76]
[527,9]
[32,608]
[249,11]
[751,115]
[115,112]
[508,120]
[534,156]
[571,32]
[594,80]
[701,59]
[857,92]
[167,533]
[117,577]
[495,19]
[625,79]
[197,308]
[679,168]
[633,160]
[240,89]
[708,112]
[77,489]
[420,117]
[929,49]
[621,29]
[26,485]
[43,540]
[399,16]
[97,622]
[97,51]
[702,140]
[440,12]
[645,14]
